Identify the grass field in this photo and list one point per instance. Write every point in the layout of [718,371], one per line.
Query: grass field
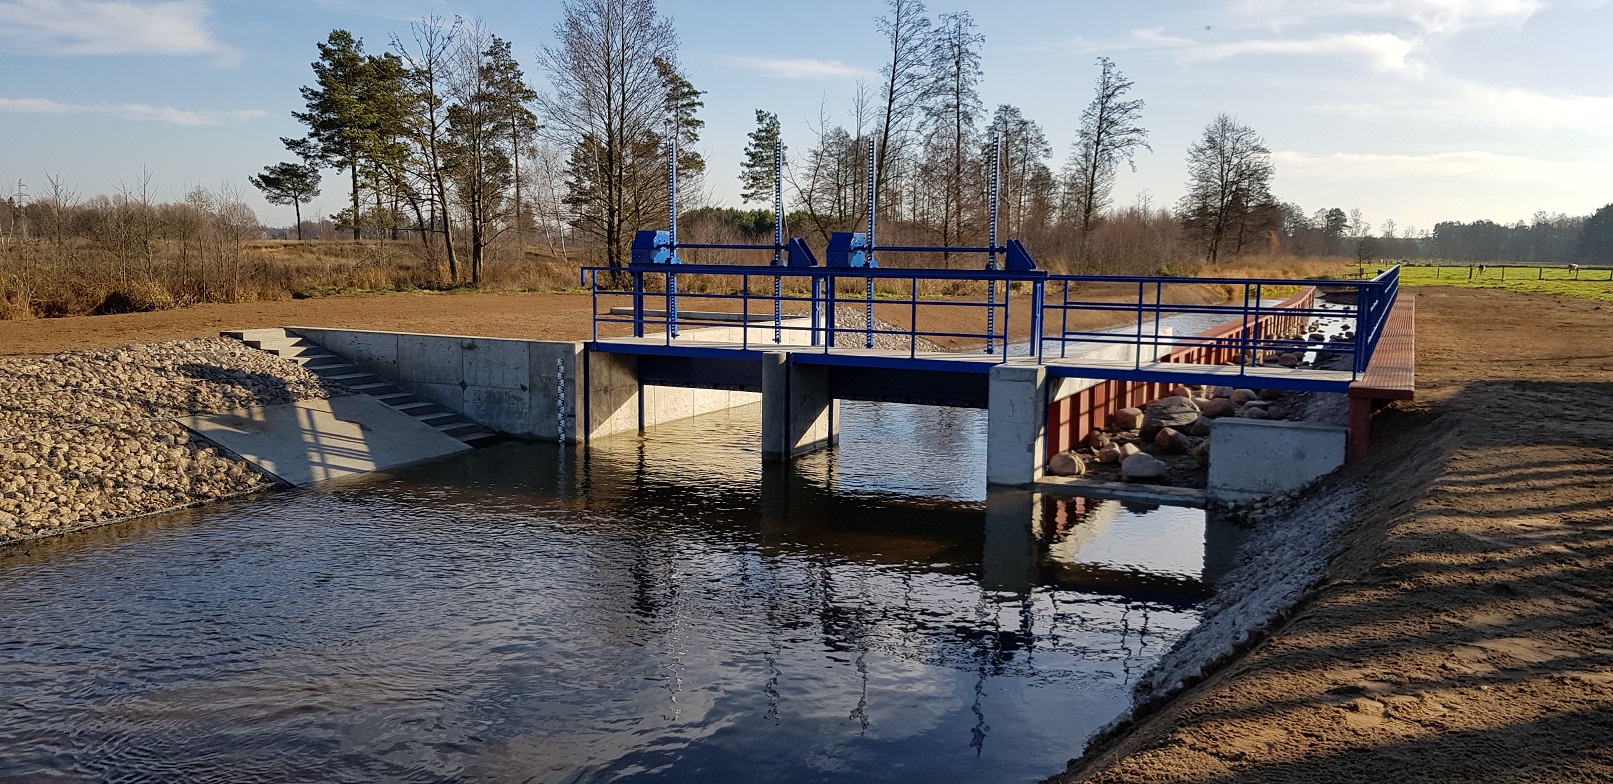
[1591,284]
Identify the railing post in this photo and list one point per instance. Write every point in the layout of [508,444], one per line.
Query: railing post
[913,320]
[829,313]
[817,310]
[1038,300]
[638,304]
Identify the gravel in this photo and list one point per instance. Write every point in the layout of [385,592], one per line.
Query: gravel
[88,438]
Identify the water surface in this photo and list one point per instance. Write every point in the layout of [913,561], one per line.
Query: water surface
[656,608]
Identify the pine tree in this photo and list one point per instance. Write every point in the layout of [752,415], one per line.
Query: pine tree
[288,183]
[756,170]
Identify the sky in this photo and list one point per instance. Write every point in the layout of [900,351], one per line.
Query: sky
[1412,110]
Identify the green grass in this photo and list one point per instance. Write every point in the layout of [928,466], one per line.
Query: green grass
[1592,283]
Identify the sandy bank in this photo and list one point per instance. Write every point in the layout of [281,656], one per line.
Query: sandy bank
[1464,628]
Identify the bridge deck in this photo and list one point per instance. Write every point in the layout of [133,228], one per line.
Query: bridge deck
[1261,376]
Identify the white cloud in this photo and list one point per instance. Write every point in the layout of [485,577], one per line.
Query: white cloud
[1390,35]
[798,67]
[108,27]
[1383,51]
[132,111]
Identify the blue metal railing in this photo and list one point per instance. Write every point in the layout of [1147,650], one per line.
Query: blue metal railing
[1057,328]
[816,295]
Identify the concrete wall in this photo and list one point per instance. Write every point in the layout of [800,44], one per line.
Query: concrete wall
[529,388]
[1251,458]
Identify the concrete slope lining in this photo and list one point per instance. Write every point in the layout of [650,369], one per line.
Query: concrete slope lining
[332,367]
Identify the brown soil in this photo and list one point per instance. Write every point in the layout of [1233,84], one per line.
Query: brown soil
[485,314]
[1465,632]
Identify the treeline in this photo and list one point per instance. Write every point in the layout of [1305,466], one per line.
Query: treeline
[65,254]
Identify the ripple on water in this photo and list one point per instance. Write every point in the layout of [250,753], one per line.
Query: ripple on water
[659,608]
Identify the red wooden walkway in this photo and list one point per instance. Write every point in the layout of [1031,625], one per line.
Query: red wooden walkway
[1391,375]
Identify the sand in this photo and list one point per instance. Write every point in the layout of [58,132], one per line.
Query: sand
[1464,631]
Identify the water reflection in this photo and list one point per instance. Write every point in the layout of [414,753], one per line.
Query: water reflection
[656,607]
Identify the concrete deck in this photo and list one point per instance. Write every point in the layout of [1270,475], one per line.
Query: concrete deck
[320,440]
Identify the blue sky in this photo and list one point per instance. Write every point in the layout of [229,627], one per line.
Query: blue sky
[1415,110]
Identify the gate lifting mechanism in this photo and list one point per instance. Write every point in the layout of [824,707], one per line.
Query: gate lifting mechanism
[846,250]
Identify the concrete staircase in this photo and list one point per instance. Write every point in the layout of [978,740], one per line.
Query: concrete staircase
[332,367]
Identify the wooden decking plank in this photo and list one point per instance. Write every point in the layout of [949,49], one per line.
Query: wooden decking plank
[1392,373]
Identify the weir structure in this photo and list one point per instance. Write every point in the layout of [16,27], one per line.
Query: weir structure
[1009,337]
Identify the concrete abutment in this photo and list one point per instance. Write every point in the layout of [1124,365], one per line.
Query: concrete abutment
[799,415]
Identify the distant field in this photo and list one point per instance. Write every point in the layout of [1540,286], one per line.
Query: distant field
[1591,284]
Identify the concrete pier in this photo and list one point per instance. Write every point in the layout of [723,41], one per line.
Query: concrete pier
[798,414]
[1016,424]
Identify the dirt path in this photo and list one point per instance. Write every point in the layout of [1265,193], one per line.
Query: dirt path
[511,315]
[1466,631]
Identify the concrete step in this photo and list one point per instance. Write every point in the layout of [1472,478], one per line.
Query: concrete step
[374,387]
[441,418]
[243,335]
[326,366]
[302,353]
[350,378]
[480,439]
[394,398]
[330,366]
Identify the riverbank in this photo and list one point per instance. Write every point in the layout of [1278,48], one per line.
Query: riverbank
[1464,628]
[88,438]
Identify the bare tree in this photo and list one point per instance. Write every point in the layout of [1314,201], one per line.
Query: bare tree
[1027,182]
[429,65]
[1228,202]
[907,35]
[1110,134]
[952,112]
[607,106]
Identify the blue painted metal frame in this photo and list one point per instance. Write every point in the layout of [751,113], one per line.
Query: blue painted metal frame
[1374,299]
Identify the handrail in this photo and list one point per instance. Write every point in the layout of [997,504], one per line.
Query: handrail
[1254,328]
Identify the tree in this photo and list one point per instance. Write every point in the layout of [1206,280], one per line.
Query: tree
[1026,180]
[489,110]
[907,34]
[345,110]
[608,107]
[1228,202]
[756,170]
[952,112]
[288,183]
[1110,134]
[1596,237]
[429,68]
[682,101]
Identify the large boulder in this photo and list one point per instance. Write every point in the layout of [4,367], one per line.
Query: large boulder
[1174,411]
[1216,407]
[1181,390]
[1200,427]
[1066,464]
[1129,449]
[1097,440]
[1272,394]
[1254,412]
[1127,419]
[1110,454]
[1241,396]
[1201,453]
[1141,467]
[1288,359]
[1172,441]
[1218,391]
